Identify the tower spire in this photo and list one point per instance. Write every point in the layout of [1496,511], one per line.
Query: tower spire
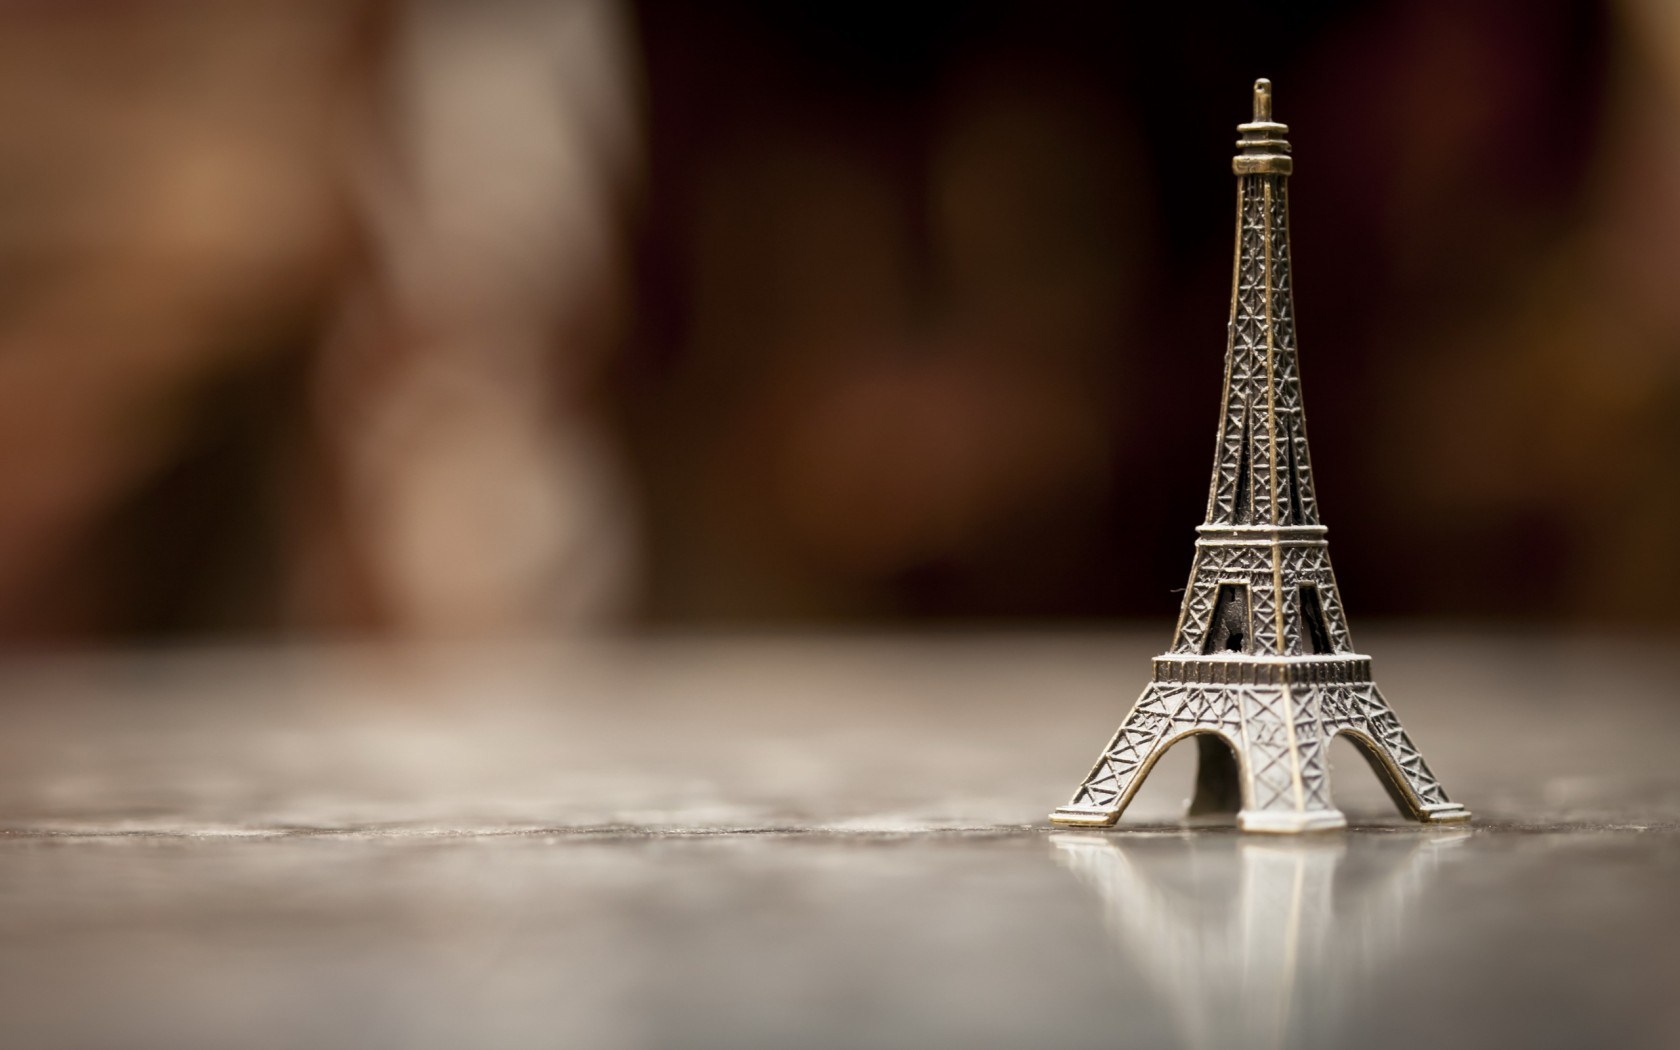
[1261,658]
[1262,149]
[1262,474]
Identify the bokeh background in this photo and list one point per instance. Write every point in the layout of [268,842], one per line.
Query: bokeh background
[442,317]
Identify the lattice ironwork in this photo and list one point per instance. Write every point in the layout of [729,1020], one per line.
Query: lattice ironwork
[1261,658]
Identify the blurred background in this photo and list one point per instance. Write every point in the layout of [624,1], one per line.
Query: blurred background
[446,317]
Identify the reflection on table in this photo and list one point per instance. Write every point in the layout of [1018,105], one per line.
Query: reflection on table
[1259,942]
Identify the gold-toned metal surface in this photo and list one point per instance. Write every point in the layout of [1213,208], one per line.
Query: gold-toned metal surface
[1261,670]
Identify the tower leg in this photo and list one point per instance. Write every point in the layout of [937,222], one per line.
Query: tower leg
[1285,760]
[1263,755]
[1112,782]
[1253,763]
[1394,759]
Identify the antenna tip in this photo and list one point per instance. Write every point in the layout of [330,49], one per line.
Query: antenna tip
[1262,101]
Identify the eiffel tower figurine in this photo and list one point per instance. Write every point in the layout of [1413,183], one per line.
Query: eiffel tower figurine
[1261,670]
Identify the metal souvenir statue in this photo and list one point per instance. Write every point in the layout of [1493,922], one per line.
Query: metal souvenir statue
[1261,670]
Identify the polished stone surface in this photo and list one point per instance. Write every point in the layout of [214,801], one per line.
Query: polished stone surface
[794,842]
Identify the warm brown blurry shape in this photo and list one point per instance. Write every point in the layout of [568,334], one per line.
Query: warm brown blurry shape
[418,316]
[415,205]
[168,197]
[476,489]
[1539,424]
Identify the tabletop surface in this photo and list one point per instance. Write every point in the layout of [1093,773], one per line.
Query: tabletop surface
[776,842]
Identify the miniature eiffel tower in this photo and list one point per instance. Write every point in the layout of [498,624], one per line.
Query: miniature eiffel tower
[1261,670]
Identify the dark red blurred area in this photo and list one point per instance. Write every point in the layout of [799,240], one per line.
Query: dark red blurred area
[441,317]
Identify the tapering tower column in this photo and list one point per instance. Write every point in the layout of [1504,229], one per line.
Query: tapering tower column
[1261,667]
[1262,490]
